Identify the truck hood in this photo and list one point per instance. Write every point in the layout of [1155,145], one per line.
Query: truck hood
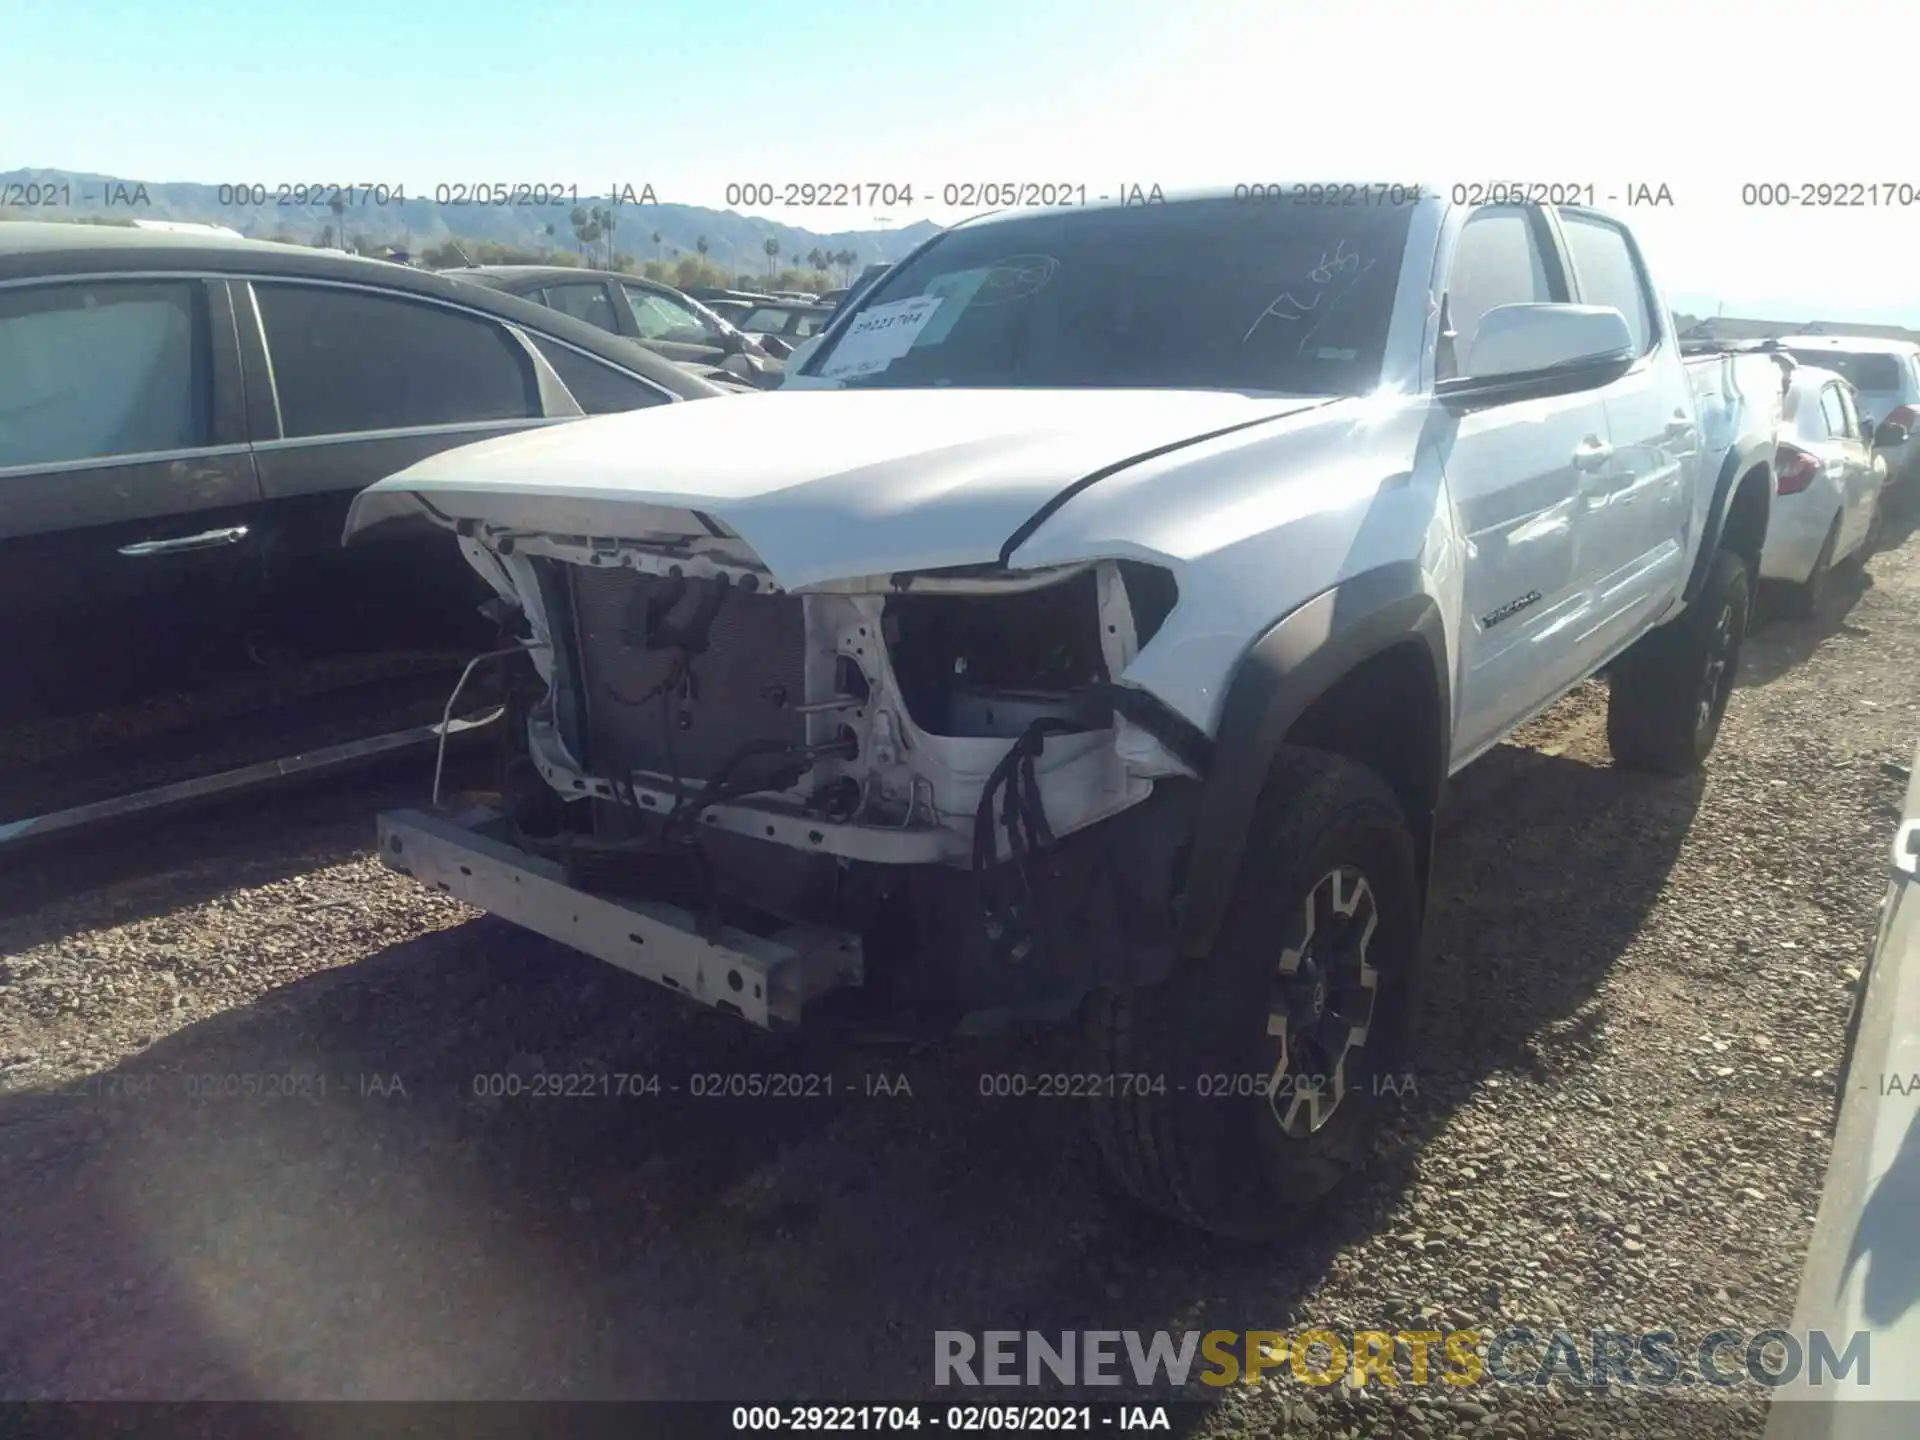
[821,484]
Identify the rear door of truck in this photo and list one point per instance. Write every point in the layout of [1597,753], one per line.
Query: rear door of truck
[1639,524]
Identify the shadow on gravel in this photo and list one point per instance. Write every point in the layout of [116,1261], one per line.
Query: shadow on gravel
[418,1213]
[145,866]
[1778,644]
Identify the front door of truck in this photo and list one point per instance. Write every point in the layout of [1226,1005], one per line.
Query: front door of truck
[1520,475]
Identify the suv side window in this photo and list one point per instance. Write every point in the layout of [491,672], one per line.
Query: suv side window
[586,302]
[103,368]
[1833,411]
[1608,273]
[347,361]
[1498,260]
[599,388]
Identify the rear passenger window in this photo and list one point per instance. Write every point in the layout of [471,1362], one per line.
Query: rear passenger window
[346,361]
[1849,414]
[584,302]
[1604,268]
[1833,411]
[1497,261]
[600,389]
[89,371]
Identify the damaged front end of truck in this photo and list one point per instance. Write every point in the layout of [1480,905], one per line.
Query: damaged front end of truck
[930,795]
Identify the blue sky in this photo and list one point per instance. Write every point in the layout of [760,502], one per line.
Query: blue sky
[689,97]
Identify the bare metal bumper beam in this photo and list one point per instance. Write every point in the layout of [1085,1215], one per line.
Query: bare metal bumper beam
[162,797]
[762,978]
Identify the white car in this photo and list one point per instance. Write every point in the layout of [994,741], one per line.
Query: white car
[1885,375]
[1860,1290]
[1081,632]
[1827,488]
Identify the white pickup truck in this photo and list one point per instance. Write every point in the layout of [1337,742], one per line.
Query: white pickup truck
[1089,626]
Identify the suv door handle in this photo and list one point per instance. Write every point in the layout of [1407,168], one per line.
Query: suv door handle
[1681,424]
[206,540]
[1592,454]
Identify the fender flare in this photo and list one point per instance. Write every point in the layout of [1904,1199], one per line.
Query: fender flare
[1299,659]
[1737,463]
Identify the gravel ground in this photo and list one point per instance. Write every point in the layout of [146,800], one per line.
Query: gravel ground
[1623,1089]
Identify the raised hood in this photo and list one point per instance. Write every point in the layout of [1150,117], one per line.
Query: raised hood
[821,484]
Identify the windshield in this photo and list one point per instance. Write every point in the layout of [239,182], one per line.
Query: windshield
[1863,372]
[1196,294]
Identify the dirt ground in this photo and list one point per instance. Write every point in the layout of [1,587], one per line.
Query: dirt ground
[247,1148]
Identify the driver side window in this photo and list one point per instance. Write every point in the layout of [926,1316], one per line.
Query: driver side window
[1498,260]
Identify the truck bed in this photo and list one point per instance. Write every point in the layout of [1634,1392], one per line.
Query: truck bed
[1738,393]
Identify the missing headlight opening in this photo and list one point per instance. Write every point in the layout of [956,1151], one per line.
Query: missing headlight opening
[913,765]
[991,665]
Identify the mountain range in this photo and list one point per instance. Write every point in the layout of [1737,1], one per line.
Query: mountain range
[734,241]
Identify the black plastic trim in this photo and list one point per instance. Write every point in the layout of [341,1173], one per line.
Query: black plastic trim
[1298,660]
[1185,741]
[1470,393]
[1731,469]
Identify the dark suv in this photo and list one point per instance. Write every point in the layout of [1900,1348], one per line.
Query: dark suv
[184,420]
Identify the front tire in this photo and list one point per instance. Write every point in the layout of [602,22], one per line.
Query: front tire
[1669,692]
[1247,1085]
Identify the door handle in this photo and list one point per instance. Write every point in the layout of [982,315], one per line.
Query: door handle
[1681,424]
[1592,454]
[206,540]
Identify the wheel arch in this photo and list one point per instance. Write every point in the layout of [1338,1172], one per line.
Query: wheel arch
[1738,517]
[1360,670]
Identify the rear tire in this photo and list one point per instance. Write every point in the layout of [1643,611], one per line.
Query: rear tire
[1669,692]
[1212,1115]
[1803,601]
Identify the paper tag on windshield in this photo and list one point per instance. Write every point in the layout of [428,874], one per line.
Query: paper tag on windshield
[880,336]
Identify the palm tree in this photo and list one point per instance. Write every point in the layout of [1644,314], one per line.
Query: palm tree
[656,243]
[772,247]
[338,206]
[610,222]
[700,244]
[845,260]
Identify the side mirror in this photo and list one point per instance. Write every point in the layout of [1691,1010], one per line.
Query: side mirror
[1527,350]
[1518,340]
[1890,433]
